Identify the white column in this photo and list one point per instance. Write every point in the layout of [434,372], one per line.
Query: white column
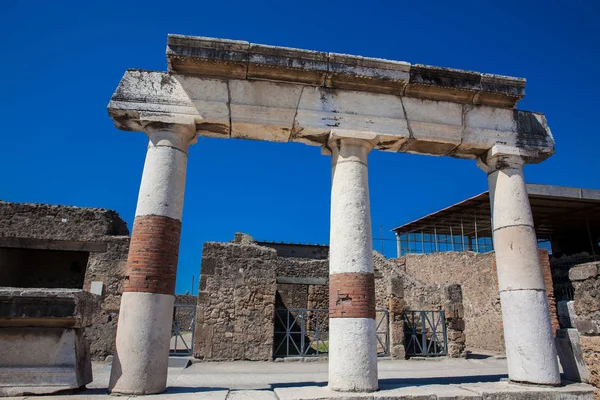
[141,358]
[528,337]
[352,336]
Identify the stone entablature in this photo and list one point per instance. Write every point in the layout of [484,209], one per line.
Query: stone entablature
[237,59]
[431,110]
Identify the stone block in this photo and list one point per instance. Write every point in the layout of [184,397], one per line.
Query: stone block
[566,313]
[397,333]
[453,309]
[456,350]
[42,344]
[456,336]
[583,272]
[97,287]
[568,347]
[590,346]
[456,324]
[43,360]
[588,326]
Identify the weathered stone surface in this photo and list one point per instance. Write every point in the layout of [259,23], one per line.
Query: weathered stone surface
[566,313]
[44,221]
[236,303]
[41,339]
[584,271]
[96,241]
[568,347]
[586,285]
[243,90]
[47,307]
[238,59]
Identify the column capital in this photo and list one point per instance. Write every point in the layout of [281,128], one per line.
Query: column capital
[501,157]
[367,140]
[169,130]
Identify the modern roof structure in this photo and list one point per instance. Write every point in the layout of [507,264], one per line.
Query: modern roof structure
[555,209]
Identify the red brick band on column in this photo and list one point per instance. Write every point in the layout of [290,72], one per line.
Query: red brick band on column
[352,295]
[153,253]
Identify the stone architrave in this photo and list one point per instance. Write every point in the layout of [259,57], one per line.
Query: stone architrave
[144,330]
[530,348]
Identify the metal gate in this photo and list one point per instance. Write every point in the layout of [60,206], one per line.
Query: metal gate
[301,332]
[304,332]
[425,333]
[182,330]
[383,332]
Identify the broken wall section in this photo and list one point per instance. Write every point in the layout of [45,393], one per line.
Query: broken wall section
[586,285]
[398,292]
[477,275]
[236,302]
[99,233]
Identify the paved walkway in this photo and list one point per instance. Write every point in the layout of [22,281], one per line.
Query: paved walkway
[461,379]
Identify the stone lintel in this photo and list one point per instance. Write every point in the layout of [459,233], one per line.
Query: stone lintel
[283,112]
[46,307]
[49,244]
[232,59]
[292,280]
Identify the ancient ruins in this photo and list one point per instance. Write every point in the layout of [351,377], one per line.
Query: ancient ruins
[75,283]
[347,106]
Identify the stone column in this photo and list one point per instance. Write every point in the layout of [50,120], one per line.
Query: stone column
[144,330]
[352,341]
[528,338]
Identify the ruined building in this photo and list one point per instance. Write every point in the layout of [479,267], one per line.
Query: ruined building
[47,246]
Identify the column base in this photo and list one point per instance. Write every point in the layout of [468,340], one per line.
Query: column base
[352,355]
[141,359]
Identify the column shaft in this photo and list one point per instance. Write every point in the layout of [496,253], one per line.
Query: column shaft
[528,337]
[141,358]
[352,336]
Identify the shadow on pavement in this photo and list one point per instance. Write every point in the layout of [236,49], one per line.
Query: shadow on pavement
[453,380]
[405,382]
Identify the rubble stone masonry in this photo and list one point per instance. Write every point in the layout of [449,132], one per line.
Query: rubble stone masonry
[586,285]
[476,273]
[56,226]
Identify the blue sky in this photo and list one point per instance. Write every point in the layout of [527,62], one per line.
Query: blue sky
[63,60]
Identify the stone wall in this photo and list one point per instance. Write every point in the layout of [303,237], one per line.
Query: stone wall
[242,283]
[44,221]
[236,302]
[109,268]
[398,291]
[476,273]
[586,285]
[50,227]
[307,251]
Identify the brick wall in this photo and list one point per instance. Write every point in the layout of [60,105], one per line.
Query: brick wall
[153,254]
[351,296]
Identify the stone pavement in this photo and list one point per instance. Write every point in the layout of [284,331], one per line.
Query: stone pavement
[455,379]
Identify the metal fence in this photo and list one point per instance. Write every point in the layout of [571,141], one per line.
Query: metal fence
[425,333]
[182,330]
[304,332]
